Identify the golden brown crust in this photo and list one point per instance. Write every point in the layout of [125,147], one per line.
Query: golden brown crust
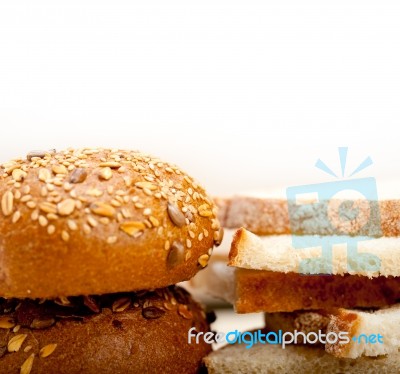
[271,216]
[95,221]
[233,253]
[148,333]
[342,321]
[260,216]
[265,291]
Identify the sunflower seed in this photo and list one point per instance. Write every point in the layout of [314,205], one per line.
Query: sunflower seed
[91,303]
[27,365]
[66,207]
[102,209]
[47,350]
[132,227]
[176,254]
[152,312]
[15,342]
[78,175]
[7,202]
[176,215]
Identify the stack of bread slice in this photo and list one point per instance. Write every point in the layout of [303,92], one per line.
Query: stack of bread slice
[358,296]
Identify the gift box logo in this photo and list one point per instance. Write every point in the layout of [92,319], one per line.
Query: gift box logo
[345,211]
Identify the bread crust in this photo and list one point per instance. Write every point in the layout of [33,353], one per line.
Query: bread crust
[130,340]
[265,291]
[94,221]
[271,216]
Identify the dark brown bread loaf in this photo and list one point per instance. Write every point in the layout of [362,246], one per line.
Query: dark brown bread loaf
[122,333]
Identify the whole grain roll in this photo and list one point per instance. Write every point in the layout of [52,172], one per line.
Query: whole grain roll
[131,333]
[95,221]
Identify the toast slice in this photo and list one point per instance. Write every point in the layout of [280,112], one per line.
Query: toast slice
[277,253]
[272,359]
[264,216]
[268,291]
[358,324]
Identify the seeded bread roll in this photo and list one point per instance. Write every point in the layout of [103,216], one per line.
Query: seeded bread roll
[95,221]
[131,333]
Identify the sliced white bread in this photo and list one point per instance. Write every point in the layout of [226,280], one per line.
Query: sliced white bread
[357,323]
[277,253]
[385,321]
[272,359]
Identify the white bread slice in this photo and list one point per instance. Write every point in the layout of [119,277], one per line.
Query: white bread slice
[276,253]
[272,359]
[385,321]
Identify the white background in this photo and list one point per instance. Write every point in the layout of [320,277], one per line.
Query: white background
[244,95]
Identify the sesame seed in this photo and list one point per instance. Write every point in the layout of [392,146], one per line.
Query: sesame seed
[72,225]
[154,221]
[92,222]
[51,229]
[64,235]
[31,204]
[43,221]
[188,243]
[111,239]
[147,212]
[26,198]
[35,215]
[86,228]
[16,216]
